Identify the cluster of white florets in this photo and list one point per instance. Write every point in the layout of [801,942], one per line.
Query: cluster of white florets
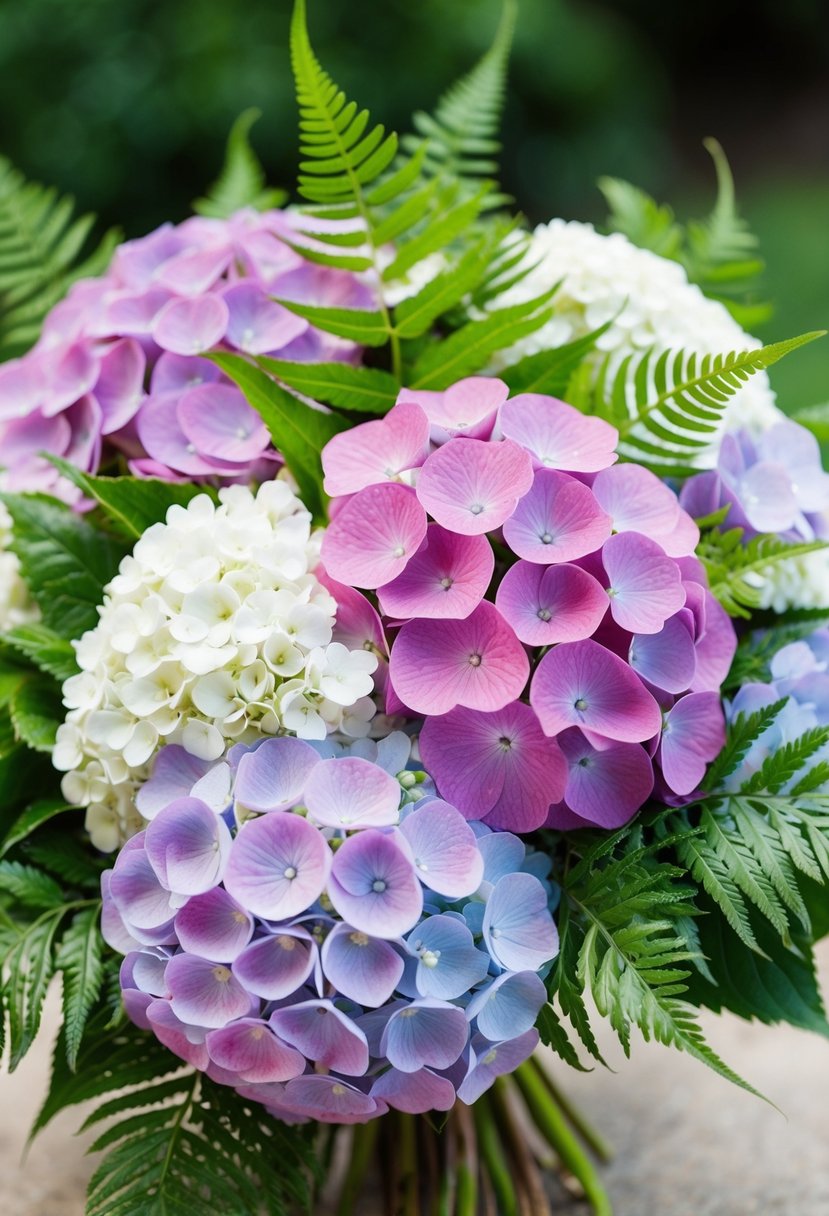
[16,606]
[216,628]
[648,300]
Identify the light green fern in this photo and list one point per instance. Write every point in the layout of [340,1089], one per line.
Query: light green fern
[241,182]
[738,569]
[43,251]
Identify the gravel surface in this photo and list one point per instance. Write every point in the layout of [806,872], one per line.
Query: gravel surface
[687,1143]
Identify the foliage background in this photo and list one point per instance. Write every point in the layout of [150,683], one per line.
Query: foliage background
[126,105]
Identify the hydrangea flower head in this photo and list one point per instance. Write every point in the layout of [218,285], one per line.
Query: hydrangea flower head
[531,590]
[215,628]
[328,969]
[118,367]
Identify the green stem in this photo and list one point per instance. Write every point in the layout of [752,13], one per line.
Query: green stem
[365,1139]
[592,1138]
[408,1202]
[532,1200]
[492,1157]
[466,1198]
[553,1125]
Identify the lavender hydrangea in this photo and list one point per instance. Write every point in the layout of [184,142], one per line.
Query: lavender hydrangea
[310,924]
[118,366]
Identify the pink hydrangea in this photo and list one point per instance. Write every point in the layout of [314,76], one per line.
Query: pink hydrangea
[118,367]
[541,605]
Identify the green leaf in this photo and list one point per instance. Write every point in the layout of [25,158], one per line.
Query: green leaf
[32,818]
[743,731]
[45,648]
[36,713]
[737,569]
[242,179]
[132,504]
[64,559]
[79,958]
[29,966]
[416,314]
[356,324]
[42,253]
[29,886]
[553,1034]
[359,389]
[549,371]
[299,431]
[642,220]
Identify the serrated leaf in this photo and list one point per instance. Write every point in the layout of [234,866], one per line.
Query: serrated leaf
[36,713]
[549,371]
[33,818]
[44,647]
[358,389]
[80,959]
[29,886]
[241,182]
[355,324]
[415,315]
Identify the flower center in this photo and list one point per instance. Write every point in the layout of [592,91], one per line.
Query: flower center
[544,614]
[505,743]
[399,551]
[358,939]
[477,508]
[408,1013]
[222,974]
[490,1057]
[475,660]
[580,704]
[546,538]
[379,886]
[290,872]
[584,762]
[430,958]
[286,942]
[446,582]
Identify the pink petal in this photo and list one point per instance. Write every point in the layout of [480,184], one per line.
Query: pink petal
[357,623]
[372,537]
[583,684]
[478,662]
[119,389]
[218,421]
[177,373]
[499,767]
[69,374]
[134,315]
[351,793]
[376,452]
[607,786]
[693,734]
[444,848]
[188,327]
[21,387]
[556,435]
[645,586]
[471,486]
[715,648]
[557,521]
[666,659]
[194,271]
[637,501]
[257,324]
[446,578]
[251,1050]
[549,604]
[467,408]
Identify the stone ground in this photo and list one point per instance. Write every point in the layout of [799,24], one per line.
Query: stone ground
[687,1144]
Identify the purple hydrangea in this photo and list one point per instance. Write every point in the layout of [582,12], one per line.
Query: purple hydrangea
[330,938]
[540,604]
[118,366]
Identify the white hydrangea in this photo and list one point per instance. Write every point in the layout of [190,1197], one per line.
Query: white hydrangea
[647,297]
[215,628]
[16,606]
[799,582]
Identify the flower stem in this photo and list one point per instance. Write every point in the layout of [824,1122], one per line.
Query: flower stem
[592,1138]
[466,1198]
[493,1159]
[553,1125]
[408,1201]
[532,1198]
[362,1149]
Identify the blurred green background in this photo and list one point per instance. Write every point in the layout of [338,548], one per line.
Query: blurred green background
[126,104]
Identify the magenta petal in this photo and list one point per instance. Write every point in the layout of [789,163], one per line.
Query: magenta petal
[444,849]
[204,993]
[550,604]
[214,926]
[323,1034]
[715,648]
[556,435]
[330,1100]
[376,452]
[557,521]
[467,408]
[446,578]
[693,735]
[364,969]
[278,865]
[357,624]
[352,793]
[276,966]
[250,1049]
[256,323]
[645,586]
[666,659]
[499,766]
[373,885]
[273,776]
[173,1033]
[371,538]
[606,786]
[188,846]
[218,421]
[119,388]
[471,486]
[414,1092]
[583,684]
[637,501]
[190,326]
[477,662]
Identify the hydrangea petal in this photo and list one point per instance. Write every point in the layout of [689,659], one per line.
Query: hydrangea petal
[467,408]
[637,501]
[550,604]
[251,1050]
[188,846]
[414,1092]
[323,1034]
[645,585]
[136,892]
[446,578]
[377,451]
[508,1006]
[119,388]
[373,885]
[218,421]
[276,966]
[175,1034]
[371,538]
[518,929]
[365,969]
[693,734]
[556,435]
[477,662]
[256,323]
[204,993]
[605,786]
[583,684]
[190,326]
[449,963]
[444,849]
[278,865]
[558,520]
[425,1033]
[471,486]
[174,774]
[273,777]
[330,1100]
[666,659]
[352,793]
[493,1062]
[214,926]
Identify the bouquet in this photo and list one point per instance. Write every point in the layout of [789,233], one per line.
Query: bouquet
[413,647]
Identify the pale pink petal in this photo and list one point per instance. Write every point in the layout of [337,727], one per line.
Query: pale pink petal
[549,604]
[467,408]
[644,585]
[372,537]
[470,486]
[190,326]
[119,389]
[559,520]
[257,324]
[693,735]
[556,435]
[194,271]
[377,451]
[637,501]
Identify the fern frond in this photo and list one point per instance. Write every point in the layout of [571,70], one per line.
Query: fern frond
[743,732]
[669,405]
[42,253]
[738,570]
[646,223]
[242,181]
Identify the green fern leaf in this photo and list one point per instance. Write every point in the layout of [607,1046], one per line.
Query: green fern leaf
[28,967]
[79,958]
[744,731]
[29,886]
[415,315]
[784,763]
[363,390]
[41,256]
[737,571]
[241,182]
[549,371]
[643,221]
[33,818]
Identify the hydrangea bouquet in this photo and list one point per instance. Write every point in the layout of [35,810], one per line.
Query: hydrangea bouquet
[413,646]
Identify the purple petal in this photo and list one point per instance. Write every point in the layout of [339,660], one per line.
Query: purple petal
[508,1006]
[219,423]
[518,929]
[178,373]
[693,734]
[330,1100]
[414,1092]
[715,647]
[446,578]
[188,845]
[119,388]
[546,605]
[636,500]
[425,1034]
[444,849]
[495,1061]
[273,777]
[188,327]
[257,324]
[605,786]
[373,885]
[645,586]
[193,271]
[323,1034]
[137,893]
[583,684]
[251,1050]
[365,969]
[214,926]
[176,1035]
[204,993]
[276,966]
[352,793]
[666,659]
[278,865]
[160,432]
[174,774]
[558,520]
